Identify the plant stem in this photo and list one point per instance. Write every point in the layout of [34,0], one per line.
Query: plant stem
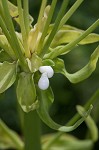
[56,25]
[11,35]
[50,15]
[70,13]
[26,15]
[32,131]
[23,28]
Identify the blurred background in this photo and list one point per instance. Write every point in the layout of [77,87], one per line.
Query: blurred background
[67,95]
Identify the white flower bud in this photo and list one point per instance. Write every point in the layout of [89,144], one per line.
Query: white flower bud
[43,83]
[48,70]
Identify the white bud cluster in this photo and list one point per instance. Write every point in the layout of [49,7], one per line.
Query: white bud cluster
[47,72]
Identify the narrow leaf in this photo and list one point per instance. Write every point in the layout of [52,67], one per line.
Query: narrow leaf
[80,75]
[7,75]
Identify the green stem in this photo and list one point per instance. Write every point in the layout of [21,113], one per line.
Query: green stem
[47,25]
[23,26]
[26,15]
[70,13]
[41,13]
[56,25]
[92,100]
[15,42]
[32,131]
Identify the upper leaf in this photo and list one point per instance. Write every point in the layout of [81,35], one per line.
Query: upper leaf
[67,36]
[14,13]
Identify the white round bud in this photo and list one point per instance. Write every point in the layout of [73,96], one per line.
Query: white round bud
[48,70]
[43,83]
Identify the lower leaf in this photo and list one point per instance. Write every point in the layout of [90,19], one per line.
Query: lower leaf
[9,138]
[45,99]
[26,92]
[7,75]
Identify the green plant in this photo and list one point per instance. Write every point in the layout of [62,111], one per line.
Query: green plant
[30,58]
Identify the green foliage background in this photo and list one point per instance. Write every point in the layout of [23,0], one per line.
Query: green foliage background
[67,95]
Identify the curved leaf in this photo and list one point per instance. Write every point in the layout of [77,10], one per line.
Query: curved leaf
[26,92]
[7,75]
[90,123]
[80,75]
[67,36]
[45,99]
[9,138]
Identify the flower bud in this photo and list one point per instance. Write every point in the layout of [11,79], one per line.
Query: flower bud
[48,70]
[43,83]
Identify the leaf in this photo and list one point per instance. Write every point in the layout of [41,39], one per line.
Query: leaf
[14,13]
[34,63]
[4,56]
[7,75]
[48,62]
[5,46]
[90,124]
[66,142]
[67,36]
[9,138]
[45,99]
[36,33]
[80,75]
[65,27]
[26,92]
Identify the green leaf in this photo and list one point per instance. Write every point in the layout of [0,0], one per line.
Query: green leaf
[14,13]
[4,57]
[5,46]
[67,36]
[69,33]
[80,75]
[66,142]
[90,124]
[26,92]
[65,27]
[34,62]
[9,138]
[7,75]
[45,99]
[48,62]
